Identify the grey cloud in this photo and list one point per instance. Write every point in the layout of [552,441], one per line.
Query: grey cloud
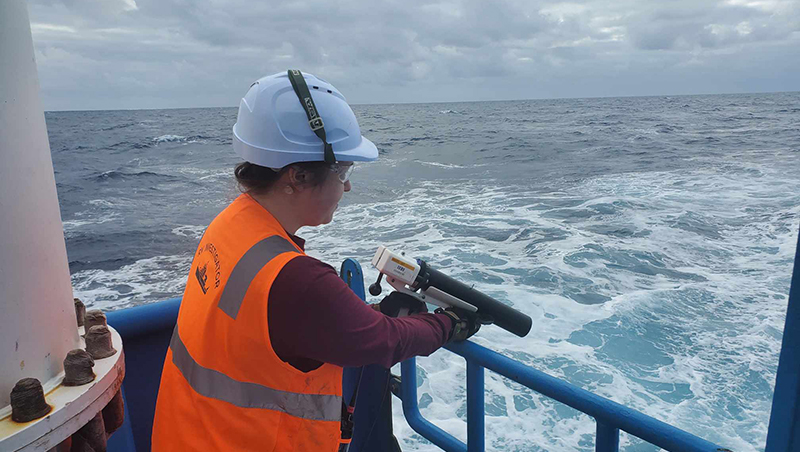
[171,53]
[711,25]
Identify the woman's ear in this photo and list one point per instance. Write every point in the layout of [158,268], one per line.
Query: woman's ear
[298,178]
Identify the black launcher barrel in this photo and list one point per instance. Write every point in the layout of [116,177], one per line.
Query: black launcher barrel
[503,315]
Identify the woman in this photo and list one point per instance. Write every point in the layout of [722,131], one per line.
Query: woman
[255,362]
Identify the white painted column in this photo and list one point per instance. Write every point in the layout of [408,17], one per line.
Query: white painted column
[37,317]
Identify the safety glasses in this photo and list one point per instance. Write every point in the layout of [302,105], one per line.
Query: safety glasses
[343,171]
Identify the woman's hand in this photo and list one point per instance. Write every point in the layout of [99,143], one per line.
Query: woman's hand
[465,323]
[398,304]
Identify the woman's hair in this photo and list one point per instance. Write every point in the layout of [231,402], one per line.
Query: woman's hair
[259,180]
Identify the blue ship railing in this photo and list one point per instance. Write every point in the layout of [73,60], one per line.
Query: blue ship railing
[146,331]
[611,417]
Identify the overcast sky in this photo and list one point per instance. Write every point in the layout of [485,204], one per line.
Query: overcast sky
[115,54]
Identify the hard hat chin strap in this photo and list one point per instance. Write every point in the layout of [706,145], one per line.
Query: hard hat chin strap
[314,119]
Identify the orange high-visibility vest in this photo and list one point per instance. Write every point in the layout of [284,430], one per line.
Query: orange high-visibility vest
[223,387]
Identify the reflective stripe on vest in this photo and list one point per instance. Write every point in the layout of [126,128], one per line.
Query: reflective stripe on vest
[246,270]
[216,385]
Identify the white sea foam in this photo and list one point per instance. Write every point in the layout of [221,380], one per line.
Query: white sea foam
[441,165]
[100,211]
[194,232]
[161,277]
[217,175]
[71,226]
[695,252]
[101,203]
[168,138]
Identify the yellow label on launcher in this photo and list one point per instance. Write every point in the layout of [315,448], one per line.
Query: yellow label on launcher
[399,262]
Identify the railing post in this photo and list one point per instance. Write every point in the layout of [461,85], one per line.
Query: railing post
[408,384]
[475,408]
[408,393]
[373,415]
[607,438]
[784,422]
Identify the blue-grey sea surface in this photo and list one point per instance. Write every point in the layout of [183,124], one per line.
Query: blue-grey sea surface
[651,240]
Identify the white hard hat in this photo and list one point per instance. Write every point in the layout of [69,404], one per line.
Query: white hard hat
[273,129]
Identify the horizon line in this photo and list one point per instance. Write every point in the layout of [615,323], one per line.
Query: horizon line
[451,102]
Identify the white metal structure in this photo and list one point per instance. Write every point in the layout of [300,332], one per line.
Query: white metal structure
[38,324]
[73,406]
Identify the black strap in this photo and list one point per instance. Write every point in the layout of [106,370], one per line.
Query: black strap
[314,120]
[347,416]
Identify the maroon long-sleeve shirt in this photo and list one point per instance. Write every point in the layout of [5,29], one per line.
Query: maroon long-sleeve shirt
[315,318]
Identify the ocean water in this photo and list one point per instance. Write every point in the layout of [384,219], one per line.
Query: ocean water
[650,239]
